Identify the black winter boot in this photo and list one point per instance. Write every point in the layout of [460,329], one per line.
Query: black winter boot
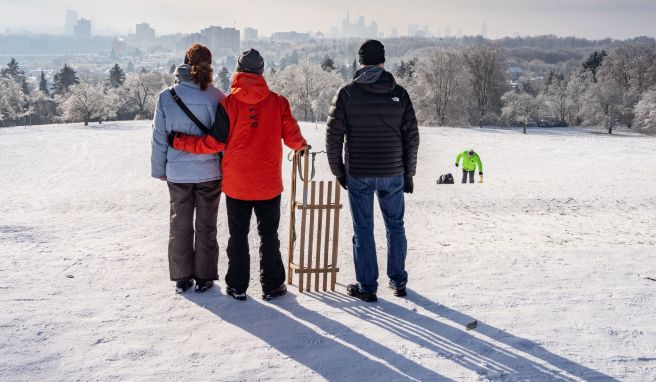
[240,296]
[398,292]
[353,290]
[203,285]
[181,286]
[270,295]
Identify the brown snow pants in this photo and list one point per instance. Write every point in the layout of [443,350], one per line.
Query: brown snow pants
[194,255]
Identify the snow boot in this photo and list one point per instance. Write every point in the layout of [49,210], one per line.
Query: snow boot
[203,285]
[270,295]
[181,286]
[398,292]
[241,296]
[353,290]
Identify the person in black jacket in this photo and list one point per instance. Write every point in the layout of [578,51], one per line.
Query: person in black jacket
[376,117]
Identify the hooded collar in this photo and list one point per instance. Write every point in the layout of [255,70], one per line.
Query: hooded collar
[249,88]
[183,74]
[374,79]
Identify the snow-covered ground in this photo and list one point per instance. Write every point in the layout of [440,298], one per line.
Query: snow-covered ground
[552,255]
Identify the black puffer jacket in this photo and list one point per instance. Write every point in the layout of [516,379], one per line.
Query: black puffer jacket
[377,118]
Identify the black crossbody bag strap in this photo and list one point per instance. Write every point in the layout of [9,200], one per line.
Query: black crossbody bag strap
[186,110]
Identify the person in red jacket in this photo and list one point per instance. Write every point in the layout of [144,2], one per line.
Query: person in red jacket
[248,128]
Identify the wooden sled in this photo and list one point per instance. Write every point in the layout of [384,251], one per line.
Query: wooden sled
[313,248]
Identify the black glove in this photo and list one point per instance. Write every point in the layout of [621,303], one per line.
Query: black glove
[343,181]
[456,164]
[171,138]
[480,173]
[408,184]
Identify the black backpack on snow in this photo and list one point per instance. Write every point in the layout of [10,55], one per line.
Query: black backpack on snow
[445,179]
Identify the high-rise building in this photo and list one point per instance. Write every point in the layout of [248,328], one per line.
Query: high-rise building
[82,28]
[220,39]
[359,28]
[394,33]
[250,34]
[71,19]
[144,32]
[291,36]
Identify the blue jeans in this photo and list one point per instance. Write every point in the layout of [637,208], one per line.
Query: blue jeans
[389,190]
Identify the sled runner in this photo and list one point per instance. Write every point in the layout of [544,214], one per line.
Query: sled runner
[318,236]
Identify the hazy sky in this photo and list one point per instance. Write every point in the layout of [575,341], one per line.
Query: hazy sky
[585,18]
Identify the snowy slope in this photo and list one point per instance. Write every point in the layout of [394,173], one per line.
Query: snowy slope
[551,255]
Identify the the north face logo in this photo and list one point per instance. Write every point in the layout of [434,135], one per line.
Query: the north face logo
[396,99]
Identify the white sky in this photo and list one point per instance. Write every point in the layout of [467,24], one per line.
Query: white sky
[584,18]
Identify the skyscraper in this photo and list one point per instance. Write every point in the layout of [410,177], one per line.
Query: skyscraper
[82,28]
[71,19]
[145,32]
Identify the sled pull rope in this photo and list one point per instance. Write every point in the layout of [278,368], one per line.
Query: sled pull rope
[290,157]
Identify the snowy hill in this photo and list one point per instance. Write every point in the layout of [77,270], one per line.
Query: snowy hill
[552,255]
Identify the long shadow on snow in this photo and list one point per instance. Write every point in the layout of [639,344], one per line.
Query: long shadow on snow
[288,328]
[454,343]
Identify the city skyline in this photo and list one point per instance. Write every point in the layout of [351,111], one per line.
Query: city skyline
[583,18]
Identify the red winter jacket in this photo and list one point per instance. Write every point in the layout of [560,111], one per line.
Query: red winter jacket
[249,125]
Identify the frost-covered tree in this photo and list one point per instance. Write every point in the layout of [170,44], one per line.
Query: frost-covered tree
[604,104]
[116,77]
[13,102]
[43,108]
[223,80]
[16,73]
[64,79]
[43,84]
[645,113]
[85,103]
[593,62]
[328,64]
[519,107]
[555,98]
[486,66]
[308,88]
[437,79]
[140,92]
[577,86]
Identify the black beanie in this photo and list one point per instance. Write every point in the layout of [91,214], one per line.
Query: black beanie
[250,61]
[372,52]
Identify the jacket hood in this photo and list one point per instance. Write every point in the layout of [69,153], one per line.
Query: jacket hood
[249,88]
[183,74]
[374,79]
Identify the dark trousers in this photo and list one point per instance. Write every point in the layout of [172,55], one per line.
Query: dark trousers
[194,255]
[464,176]
[272,270]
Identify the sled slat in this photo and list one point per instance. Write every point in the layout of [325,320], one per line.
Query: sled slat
[333,279]
[303,220]
[311,236]
[327,237]
[292,220]
[319,226]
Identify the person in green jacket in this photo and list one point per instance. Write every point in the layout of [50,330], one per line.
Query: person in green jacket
[470,160]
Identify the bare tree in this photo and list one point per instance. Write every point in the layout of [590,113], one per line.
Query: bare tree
[486,66]
[140,91]
[435,83]
[556,99]
[308,88]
